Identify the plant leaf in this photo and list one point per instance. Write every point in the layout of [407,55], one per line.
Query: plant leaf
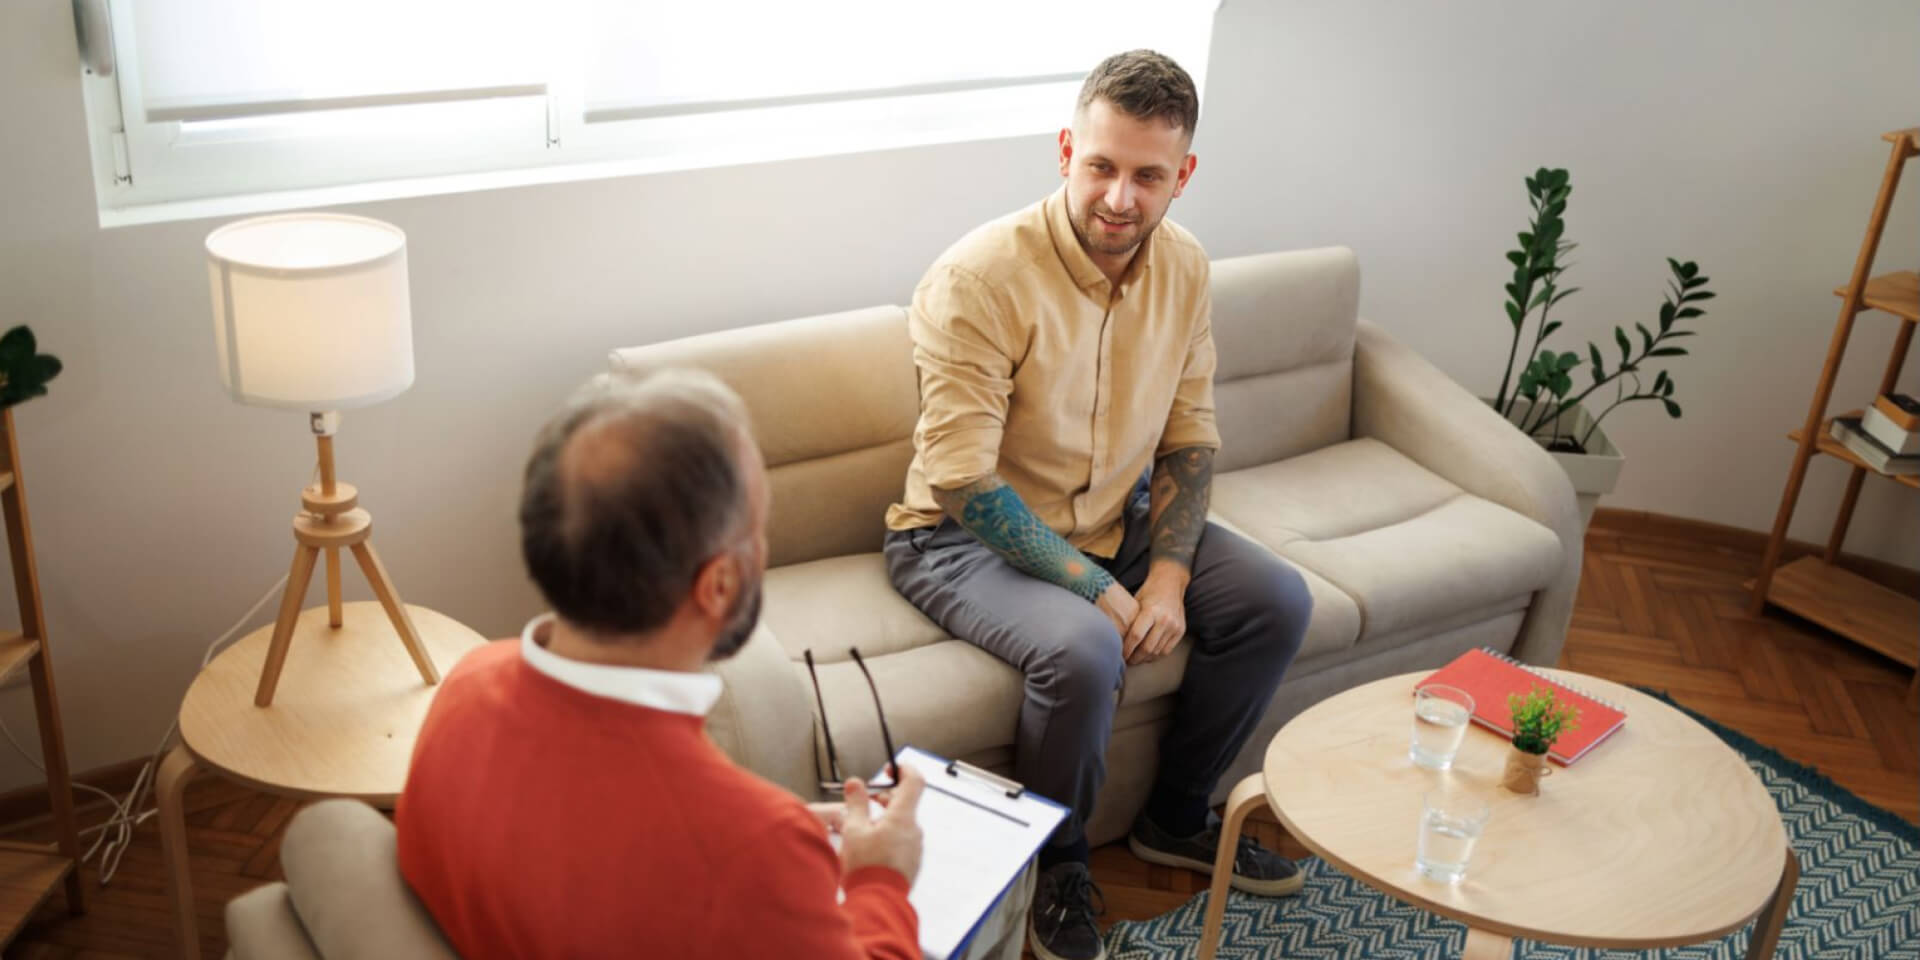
[1550,328]
[1702,295]
[1569,360]
[1666,316]
[1673,409]
[1626,348]
[1599,368]
[1669,352]
[1646,336]
[1690,313]
[1513,314]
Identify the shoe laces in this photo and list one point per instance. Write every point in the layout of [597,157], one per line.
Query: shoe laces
[1074,895]
[1246,855]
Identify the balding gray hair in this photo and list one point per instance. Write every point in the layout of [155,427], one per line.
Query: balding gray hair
[632,487]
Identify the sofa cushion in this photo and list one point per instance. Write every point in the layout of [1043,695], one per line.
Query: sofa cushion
[1409,547]
[840,602]
[833,400]
[1284,326]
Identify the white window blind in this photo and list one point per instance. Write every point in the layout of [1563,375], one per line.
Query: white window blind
[223,98]
[203,60]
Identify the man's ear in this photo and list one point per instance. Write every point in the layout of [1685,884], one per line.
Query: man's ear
[715,586]
[1184,174]
[1066,149]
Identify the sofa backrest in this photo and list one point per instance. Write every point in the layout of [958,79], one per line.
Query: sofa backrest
[1283,325]
[834,398]
[833,401]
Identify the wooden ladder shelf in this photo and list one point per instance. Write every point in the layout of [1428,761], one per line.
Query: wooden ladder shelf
[1816,587]
[30,872]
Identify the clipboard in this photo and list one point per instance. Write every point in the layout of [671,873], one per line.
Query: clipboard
[979,832]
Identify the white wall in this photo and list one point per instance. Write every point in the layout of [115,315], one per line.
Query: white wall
[1741,135]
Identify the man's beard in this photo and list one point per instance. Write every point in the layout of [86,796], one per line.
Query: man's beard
[740,623]
[1090,231]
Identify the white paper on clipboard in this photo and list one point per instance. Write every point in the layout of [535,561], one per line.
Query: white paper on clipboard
[975,842]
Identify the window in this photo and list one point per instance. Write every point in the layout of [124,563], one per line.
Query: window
[297,102]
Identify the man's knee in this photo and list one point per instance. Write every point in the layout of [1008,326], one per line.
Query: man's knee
[1085,662]
[1286,607]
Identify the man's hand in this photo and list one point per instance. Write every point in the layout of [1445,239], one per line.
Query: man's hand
[1119,606]
[893,840]
[1161,621]
[830,815]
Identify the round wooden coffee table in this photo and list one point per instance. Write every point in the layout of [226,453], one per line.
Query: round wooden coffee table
[1659,837]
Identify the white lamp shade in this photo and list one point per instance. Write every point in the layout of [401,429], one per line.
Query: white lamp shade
[310,310]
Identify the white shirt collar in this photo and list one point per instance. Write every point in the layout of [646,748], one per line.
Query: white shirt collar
[669,690]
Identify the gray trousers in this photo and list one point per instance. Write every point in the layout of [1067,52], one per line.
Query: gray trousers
[1247,611]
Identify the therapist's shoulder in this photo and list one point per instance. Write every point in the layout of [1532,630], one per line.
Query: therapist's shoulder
[996,254]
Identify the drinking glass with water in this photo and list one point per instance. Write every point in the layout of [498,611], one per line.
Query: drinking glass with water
[1440,716]
[1450,823]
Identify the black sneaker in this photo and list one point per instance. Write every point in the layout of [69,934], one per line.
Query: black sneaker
[1256,869]
[1061,925]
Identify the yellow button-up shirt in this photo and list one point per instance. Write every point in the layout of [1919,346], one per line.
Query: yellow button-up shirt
[1034,365]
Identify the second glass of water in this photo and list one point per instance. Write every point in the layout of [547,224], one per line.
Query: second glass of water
[1440,717]
[1450,824]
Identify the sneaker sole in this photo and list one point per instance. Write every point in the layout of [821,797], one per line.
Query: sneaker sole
[1040,950]
[1283,887]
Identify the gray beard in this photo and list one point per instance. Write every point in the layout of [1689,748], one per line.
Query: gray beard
[746,616]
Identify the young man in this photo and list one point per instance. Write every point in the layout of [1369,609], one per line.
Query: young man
[1065,352]
[564,800]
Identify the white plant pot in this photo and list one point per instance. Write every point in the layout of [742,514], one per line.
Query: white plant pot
[1593,473]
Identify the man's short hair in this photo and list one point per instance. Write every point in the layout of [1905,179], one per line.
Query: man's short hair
[631,488]
[1146,86]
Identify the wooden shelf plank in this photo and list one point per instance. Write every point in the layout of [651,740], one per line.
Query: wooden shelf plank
[15,651]
[1834,448]
[25,881]
[1897,293]
[1852,606]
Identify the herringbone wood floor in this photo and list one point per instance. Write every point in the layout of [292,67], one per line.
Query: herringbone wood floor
[1658,611]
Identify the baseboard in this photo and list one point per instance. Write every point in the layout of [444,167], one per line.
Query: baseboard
[1889,575]
[29,803]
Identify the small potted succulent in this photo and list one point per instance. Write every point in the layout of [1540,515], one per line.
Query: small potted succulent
[1538,720]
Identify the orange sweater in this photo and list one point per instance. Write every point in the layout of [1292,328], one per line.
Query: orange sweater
[543,821]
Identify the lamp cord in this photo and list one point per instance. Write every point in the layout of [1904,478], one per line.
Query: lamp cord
[115,834]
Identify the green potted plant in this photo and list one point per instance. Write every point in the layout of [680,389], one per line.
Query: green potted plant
[1539,718]
[1543,402]
[24,370]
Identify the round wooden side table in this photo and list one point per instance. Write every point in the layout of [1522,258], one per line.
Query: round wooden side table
[342,723]
[1659,837]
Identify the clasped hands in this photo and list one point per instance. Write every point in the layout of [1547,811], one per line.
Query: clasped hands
[1152,621]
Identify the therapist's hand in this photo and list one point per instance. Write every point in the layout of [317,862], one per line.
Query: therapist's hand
[892,839]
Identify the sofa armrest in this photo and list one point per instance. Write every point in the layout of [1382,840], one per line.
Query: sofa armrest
[764,718]
[1404,401]
[343,873]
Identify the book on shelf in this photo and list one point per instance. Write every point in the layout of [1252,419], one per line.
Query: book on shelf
[1873,453]
[1903,442]
[1903,410]
[1488,676]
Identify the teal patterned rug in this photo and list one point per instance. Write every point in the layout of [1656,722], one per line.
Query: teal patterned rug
[1858,897]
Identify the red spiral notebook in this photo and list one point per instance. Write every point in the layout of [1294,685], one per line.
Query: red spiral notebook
[1488,677]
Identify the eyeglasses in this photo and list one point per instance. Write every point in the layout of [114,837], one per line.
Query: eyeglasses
[832,780]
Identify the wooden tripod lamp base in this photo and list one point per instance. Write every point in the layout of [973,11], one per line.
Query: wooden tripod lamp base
[333,521]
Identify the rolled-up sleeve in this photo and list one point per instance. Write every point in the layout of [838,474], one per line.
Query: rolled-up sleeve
[1190,422]
[961,345]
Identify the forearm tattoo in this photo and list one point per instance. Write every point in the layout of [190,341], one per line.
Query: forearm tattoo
[997,517]
[1182,484]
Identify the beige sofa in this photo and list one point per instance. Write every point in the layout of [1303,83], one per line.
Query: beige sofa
[1424,524]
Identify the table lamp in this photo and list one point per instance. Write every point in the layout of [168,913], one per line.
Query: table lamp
[310,313]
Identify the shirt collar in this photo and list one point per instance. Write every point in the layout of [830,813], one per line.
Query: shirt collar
[670,690]
[1086,274]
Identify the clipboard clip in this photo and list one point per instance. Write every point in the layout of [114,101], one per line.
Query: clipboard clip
[1012,789]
